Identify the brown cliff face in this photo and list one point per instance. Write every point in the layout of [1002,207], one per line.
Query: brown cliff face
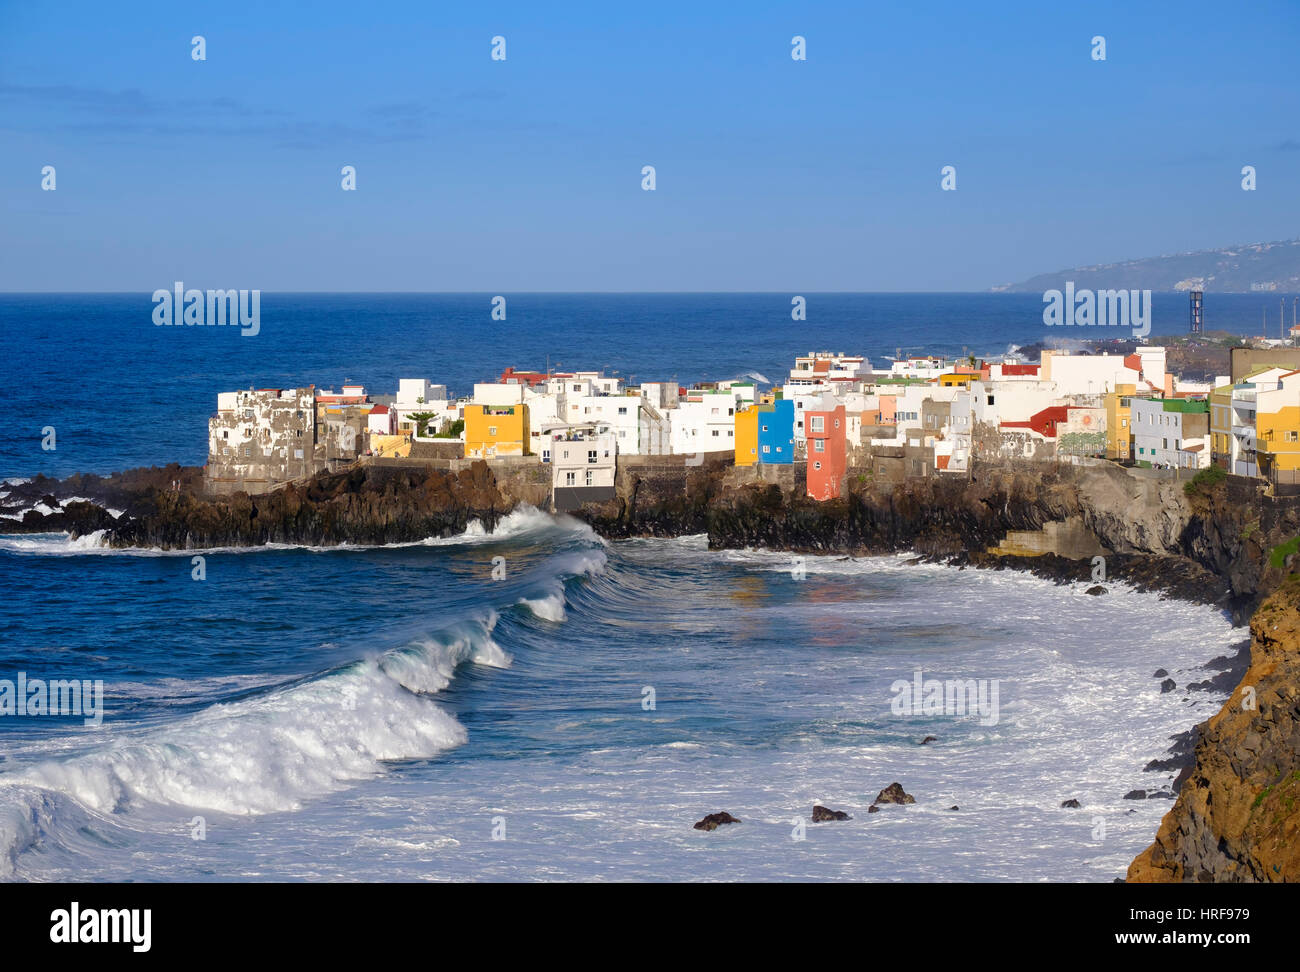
[1237,817]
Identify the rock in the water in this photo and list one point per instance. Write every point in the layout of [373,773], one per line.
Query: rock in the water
[1168,685]
[954,807]
[821,814]
[894,794]
[873,809]
[1071,804]
[928,739]
[1135,795]
[1096,590]
[714,820]
[1160,673]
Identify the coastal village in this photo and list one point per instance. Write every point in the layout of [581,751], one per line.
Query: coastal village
[831,418]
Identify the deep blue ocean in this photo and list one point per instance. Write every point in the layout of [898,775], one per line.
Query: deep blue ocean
[395,713]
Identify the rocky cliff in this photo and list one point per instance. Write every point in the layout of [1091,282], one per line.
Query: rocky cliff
[366,505]
[1212,545]
[1237,816]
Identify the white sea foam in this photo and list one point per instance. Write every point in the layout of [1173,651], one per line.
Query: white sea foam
[548,608]
[268,753]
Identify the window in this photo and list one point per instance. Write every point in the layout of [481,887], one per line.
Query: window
[622,410]
[990,400]
[818,423]
[570,479]
[837,423]
[765,428]
[817,465]
[819,445]
[1291,436]
[1123,423]
[492,430]
[766,449]
[225,435]
[590,478]
[715,433]
[591,457]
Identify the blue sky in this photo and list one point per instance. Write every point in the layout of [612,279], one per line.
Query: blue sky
[525,175]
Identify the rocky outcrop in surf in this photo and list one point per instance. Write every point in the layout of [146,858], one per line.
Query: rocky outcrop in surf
[713,821]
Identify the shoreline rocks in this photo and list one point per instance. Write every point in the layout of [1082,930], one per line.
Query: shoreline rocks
[894,793]
[713,821]
[822,814]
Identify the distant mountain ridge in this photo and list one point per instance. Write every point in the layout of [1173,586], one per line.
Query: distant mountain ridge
[1251,268]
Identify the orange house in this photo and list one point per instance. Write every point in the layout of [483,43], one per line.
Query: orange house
[827,444]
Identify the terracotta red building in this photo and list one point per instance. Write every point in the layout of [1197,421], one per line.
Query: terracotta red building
[827,452]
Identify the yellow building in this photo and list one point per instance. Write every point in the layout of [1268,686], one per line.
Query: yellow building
[1277,427]
[1119,422]
[1221,427]
[747,435]
[951,380]
[496,430]
[386,446]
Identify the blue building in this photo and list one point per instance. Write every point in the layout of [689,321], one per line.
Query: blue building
[776,432]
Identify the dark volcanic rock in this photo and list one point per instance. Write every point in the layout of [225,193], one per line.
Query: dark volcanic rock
[1135,795]
[1237,811]
[1096,590]
[1160,673]
[1168,685]
[365,505]
[873,809]
[954,807]
[821,814]
[1071,804]
[928,739]
[893,794]
[714,820]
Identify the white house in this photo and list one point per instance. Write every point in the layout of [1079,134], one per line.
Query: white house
[1171,432]
[416,395]
[705,421]
[583,465]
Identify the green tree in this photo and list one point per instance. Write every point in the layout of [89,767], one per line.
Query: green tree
[421,421]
